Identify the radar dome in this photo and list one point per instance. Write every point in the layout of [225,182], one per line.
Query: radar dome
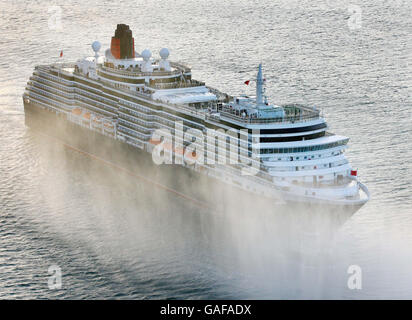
[146,54]
[96,46]
[164,53]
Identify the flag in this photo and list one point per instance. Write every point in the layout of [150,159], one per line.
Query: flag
[247,82]
[61,54]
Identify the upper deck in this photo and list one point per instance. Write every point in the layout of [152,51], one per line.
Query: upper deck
[294,113]
[215,109]
[135,70]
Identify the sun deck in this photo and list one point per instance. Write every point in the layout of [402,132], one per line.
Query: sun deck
[294,113]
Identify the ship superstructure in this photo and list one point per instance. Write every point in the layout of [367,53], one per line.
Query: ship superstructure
[136,99]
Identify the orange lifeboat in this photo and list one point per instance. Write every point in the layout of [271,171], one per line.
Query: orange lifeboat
[154,142]
[77,111]
[180,151]
[193,156]
[167,146]
[86,115]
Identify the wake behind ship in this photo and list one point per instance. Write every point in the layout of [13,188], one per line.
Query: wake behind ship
[154,109]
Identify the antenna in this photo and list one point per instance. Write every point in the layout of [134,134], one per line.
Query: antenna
[259,86]
[146,65]
[96,47]
[164,64]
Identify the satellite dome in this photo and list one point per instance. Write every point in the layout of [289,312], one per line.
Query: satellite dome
[146,54]
[164,53]
[96,46]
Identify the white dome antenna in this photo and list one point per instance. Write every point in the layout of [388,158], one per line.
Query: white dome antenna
[96,47]
[164,53]
[146,54]
[146,65]
[164,64]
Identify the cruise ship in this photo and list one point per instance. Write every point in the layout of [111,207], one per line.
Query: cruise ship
[151,112]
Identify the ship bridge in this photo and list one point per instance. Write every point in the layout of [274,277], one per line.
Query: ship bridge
[255,112]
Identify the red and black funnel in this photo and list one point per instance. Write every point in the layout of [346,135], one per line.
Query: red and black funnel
[122,46]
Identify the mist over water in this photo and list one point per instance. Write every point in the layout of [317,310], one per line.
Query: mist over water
[114,236]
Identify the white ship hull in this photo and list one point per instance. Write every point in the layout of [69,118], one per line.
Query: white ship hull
[198,188]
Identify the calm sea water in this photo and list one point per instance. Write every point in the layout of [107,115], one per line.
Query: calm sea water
[113,237]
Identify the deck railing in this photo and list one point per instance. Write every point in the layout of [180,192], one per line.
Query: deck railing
[189,84]
[182,66]
[140,73]
[305,114]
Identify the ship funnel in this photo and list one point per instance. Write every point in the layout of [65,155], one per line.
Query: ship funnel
[122,45]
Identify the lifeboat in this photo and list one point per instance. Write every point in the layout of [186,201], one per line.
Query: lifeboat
[154,142]
[191,156]
[180,151]
[86,115]
[168,146]
[96,122]
[77,111]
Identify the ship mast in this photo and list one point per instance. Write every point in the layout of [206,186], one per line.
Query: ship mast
[259,87]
